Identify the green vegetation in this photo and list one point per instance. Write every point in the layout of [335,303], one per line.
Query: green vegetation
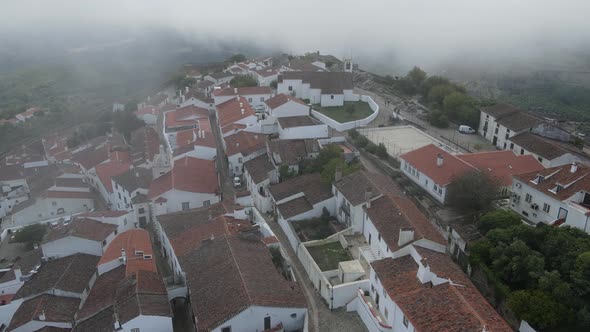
[30,235]
[181,81]
[235,59]
[327,256]
[313,229]
[240,81]
[543,272]
[326,163]
[473,191]
[351,111]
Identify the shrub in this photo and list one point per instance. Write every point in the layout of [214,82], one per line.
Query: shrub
[353,133]
[371,148]
[362,141]
[31,234]
[382,151]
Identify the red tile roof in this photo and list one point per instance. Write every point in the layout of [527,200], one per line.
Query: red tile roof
[282,99]
[502,165]
[103,214]
[191,137]
[424,160]
[188,174]
[186,116]
[106,171]
[132,240]
[147,110]
[231,111]
[69,194]
[58,309]
[572,182]
[102,294]
[244,142]
[231,273]
[244,91]
[84,228]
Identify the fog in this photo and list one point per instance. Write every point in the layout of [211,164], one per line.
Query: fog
[390,35]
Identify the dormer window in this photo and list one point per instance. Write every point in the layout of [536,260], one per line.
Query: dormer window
[538,179]
[556,189]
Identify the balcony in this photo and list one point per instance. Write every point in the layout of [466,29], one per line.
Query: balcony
[369,313]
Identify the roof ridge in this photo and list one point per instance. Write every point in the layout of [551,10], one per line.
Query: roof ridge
[238,267]
[466,303]
[64,271]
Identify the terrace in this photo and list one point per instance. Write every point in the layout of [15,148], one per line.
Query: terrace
[327,256]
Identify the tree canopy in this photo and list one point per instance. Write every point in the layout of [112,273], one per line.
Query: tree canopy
[473,191]
[31,234]
[240,81]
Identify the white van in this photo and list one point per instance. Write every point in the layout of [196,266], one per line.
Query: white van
[466,129]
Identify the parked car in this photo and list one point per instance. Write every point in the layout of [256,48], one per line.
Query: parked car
[466,129]
[237,182]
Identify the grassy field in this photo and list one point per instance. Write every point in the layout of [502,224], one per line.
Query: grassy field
[328,256]
[342,114]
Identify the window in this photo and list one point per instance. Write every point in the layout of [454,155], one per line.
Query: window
[141,210]
[125,221]
[135,329]
[104,243]
[249,100]
[440,190]
[435,188]
[226,329]
[528,198]
[521,151]
[511,146]
[290,88]
[496,131]
[379,236]
[386,314]
[185,206]
[546,207]
[426,182]
[119,195]
[487,116]
[405,321]
[60,211]
[206,203]
[540,159]
[331,96]
[116,232]
[261,98]
[240,160]
[504,148]
[53,203]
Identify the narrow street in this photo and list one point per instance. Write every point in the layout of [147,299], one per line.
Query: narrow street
[226,184]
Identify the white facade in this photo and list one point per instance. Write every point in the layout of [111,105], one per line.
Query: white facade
[175,199]
[71,245]
[564,159]
[145,323]
[236,161]
[199,152]
[48,208]
[290,108]
[435,190]
[255,100]
[253,319]
[314,131]
[302,90]
[196,102]
[266,80]
[221,80]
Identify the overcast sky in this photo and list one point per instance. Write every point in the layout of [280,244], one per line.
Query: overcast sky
[412,31]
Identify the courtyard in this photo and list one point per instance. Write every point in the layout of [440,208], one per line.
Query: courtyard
[350,111]
[327,256]
[401,139]
[316,228]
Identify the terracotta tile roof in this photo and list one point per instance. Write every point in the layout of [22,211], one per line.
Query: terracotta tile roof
[141,294]
[328,82]
[195,93]
[71,182]
[234,126]
[500,110]
[194,137]
[133,179]
[187,115]
[267,72]
[244,142]
[57,309]
[145,144]
[69,194]
[231,111]
[353,186]
[106,171]
[390,214]
[294,207]
[91,157]
[244,91]
[220,75]
[204,84]
[259,167]
[310,184]
[298,121]
[104,214]
[84,228]
[188,174]
[70,274]
[572,182]
[398,275]
[424,160]
[102,294]
[292,151]
[282,99]
[147,110]
[519,121]
[502,165]
[101,321]
[546,148]
[132,240]
[234,273]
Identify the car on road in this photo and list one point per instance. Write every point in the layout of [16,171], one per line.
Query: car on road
[237,182]
[466,129]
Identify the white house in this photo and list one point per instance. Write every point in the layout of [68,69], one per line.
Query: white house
[196,98]
[422,290]
[500,122]
[197,143]
[548,152]
[220,78]
[128,185]
[291,152]
[254,95]
[301,127]
[556,196]
[234,115]
[325,88]
[82,235]
[259,174]
[283,105]
[190,184]
[266,76]
[241,147]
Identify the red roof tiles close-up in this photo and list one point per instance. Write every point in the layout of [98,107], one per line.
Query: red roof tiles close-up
[188,174]
[424,160]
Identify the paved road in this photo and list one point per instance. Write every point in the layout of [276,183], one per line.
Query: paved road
[222,166]
[449,135]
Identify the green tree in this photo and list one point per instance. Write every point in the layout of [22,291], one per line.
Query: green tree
[381,151]
[473,191]
[31,234]
[240,81]
[131,106]
[126,123]
[235,58]
[417,76]
[438,93]
[431,82]
[438,119]
[581,274]
[274,84]
[285,173]
[497,219]
[329,170]
[516,264]
[537,308]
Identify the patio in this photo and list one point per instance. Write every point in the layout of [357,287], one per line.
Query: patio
[327,256]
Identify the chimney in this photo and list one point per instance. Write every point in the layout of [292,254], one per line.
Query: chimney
[574,168]
[242,110]
[237,144]
[338,174]
[236,90]
[42,316]
[241,104]
[238,98]
[439,160]
[212,237]
[136,174]
[368,196]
